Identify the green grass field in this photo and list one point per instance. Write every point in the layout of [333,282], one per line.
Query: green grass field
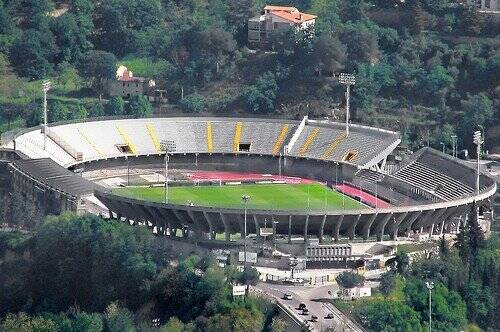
[312,196]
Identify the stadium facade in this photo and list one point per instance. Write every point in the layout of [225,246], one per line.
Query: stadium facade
[426,191]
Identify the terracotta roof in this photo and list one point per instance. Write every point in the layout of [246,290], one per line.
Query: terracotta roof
[282,8]
[295,17]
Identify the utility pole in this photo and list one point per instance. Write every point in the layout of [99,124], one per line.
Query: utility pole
[347,80]
[167,146]
[430,286]
[46,85]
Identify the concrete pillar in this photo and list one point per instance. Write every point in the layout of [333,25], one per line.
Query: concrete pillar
[352,228]
[226,227]
[306,225]
[381,226]
[210,225]
[395,226]
[336,230]
[290,229]
[368,224]
[321,229]
[409,221]
[257,225]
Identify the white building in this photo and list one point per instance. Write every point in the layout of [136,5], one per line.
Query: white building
[277,19]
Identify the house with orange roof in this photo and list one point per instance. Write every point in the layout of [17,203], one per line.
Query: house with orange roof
[275,20]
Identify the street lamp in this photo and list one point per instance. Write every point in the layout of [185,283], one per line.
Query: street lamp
[484,138]
[46,85]
[167,146]
[274,232]
[430,286]
[347,80]
[454,143]
[442,144]
[476,138]
[245,199]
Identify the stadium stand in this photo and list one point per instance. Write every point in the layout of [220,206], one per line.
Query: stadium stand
[113,138]
[442,185]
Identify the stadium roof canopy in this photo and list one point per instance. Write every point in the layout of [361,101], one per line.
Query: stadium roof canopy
[49,173]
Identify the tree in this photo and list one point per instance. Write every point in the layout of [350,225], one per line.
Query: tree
[462,243]
[477,110]
[173,325]
[32,54]
[278,325]
[71,37]
[329,54]
[118,319]
[444,249]
[387,283]
[389,316]
[139,106]
[120,23]
[98,66]
[115,106]
[448,308]
[402,261]
[260,96]
[349,279]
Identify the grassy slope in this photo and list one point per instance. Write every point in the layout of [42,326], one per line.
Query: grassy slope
[264,196]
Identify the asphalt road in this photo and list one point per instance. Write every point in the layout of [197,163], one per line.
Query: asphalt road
[306,295]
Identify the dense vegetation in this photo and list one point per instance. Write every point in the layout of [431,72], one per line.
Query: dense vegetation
[426,68]
[466,289]
[88,274]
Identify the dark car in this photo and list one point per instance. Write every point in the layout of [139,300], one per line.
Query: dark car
[329,316]
[302,306]
[314,318]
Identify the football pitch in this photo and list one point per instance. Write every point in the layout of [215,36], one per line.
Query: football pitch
[313,196]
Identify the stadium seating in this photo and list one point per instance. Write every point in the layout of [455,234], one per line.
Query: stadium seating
[440,184]
[323,141]
[113,138]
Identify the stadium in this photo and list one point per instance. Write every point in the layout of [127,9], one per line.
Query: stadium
[308,179]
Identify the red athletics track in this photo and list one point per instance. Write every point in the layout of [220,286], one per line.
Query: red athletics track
[233,176]
[365,197]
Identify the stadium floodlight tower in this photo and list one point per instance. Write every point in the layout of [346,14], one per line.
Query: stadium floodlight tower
[430,286]
[245,199]
[168,147]
[477,139]
[347,80]
[46,85]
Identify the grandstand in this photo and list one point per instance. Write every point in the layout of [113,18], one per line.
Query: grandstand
[425,192]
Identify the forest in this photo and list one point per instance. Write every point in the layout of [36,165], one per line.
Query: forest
[428,69]
[87,274]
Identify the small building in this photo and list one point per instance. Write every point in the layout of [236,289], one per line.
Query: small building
[356,292]
[127,85]
[274,20]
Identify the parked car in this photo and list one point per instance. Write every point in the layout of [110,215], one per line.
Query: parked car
[302,306]
[314,318]
[329,316]
[305,311]
[287,296]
